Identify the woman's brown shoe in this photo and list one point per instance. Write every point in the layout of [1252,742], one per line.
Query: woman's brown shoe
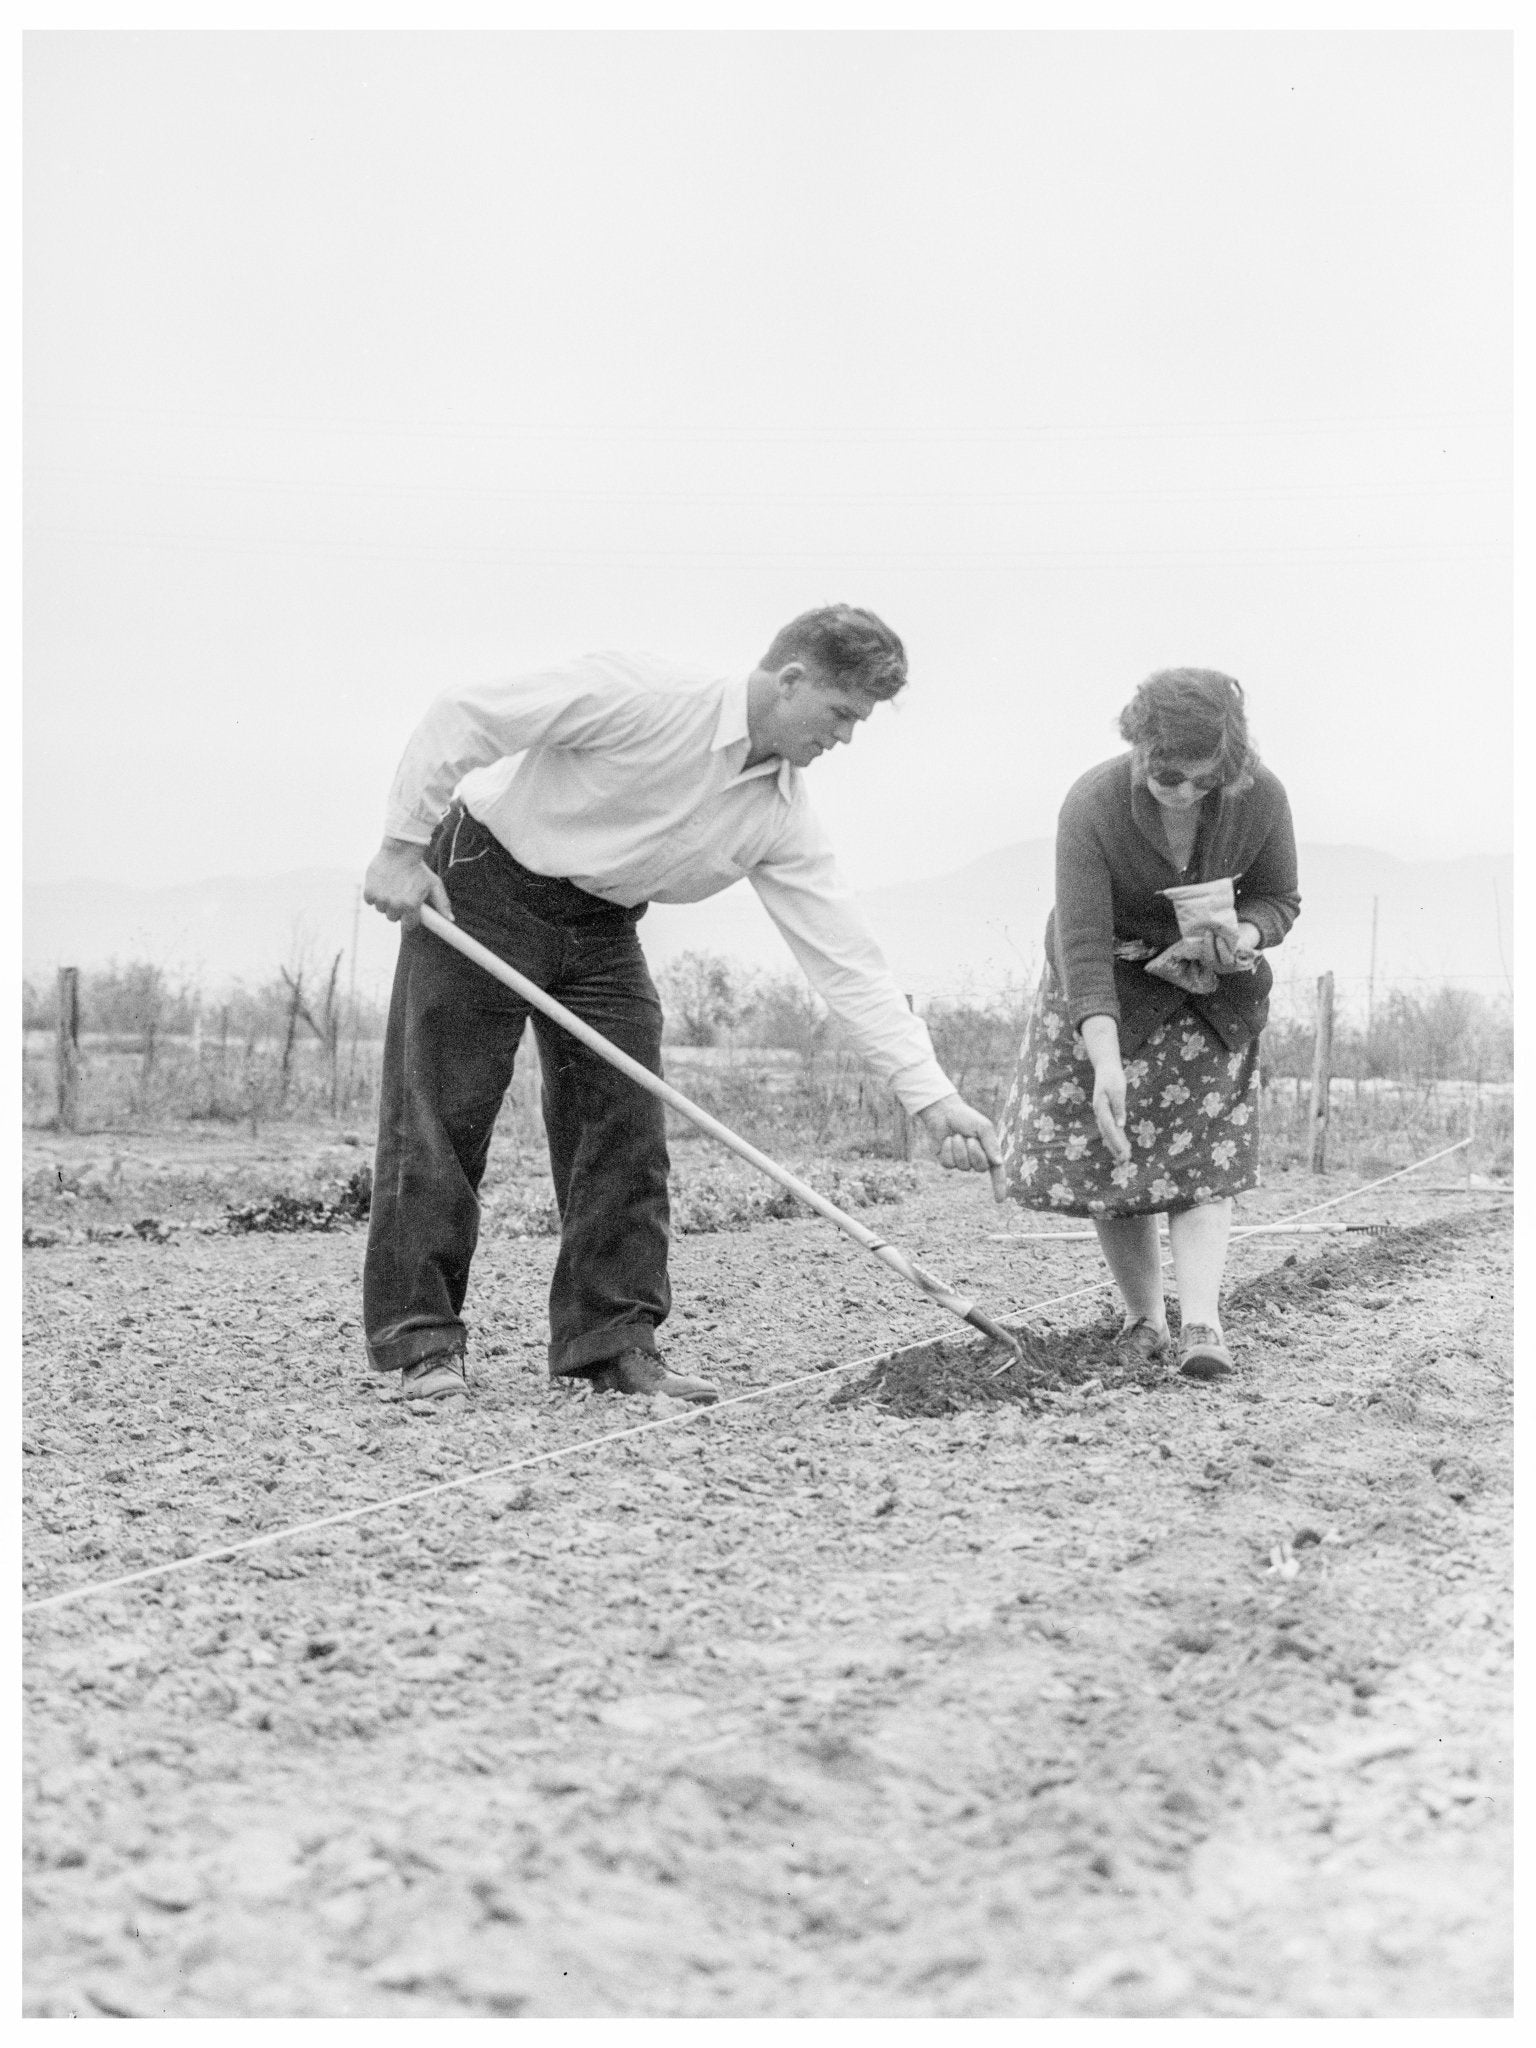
[1202,1354]
[1142,1343]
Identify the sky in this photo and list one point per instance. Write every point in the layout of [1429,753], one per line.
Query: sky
[357,365]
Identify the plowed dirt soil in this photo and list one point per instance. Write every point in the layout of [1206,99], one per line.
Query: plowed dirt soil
[920,1687]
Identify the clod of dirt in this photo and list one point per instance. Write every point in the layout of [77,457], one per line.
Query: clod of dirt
[943,1377]
[1458,1476]
[1195,1641]
[172,1886]
[1293,1646]
[515,1504]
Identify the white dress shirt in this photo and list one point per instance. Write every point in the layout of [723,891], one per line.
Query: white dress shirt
[625,775]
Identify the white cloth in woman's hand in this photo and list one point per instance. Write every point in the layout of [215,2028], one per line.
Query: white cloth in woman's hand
[1190,963]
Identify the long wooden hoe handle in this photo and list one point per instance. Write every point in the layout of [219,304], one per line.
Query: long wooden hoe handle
[888,1254]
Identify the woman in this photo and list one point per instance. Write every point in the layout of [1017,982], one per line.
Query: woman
[1138,1084]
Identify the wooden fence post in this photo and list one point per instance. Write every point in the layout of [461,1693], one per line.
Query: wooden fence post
[67,1065]
[1322,1071]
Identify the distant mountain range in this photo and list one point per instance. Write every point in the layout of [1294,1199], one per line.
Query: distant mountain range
[966,932]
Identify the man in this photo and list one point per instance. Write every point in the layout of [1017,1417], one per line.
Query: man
[637,781]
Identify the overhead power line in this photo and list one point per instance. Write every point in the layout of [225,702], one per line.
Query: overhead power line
[816,431]
[947,560]
[138,479]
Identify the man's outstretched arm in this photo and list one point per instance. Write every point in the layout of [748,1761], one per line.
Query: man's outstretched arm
[810,902]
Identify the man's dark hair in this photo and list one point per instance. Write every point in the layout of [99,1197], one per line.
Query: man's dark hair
[847,646]
[1193,714]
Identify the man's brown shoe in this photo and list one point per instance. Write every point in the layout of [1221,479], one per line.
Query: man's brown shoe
[643,1372]
[441,1377]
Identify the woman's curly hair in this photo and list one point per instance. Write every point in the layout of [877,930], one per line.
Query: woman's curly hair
[1192,714]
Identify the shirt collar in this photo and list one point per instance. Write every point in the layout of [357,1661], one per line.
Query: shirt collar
[731,731]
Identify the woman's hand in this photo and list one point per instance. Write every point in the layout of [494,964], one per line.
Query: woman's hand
[1237,955]
[1101,1036]
[1109,1110]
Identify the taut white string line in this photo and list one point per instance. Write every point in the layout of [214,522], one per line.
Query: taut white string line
[467,1479]
[1349,1194]
[378,1507]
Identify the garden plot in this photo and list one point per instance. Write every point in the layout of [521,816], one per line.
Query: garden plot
[1082,1696]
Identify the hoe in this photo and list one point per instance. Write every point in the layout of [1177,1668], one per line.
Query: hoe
[888,1254]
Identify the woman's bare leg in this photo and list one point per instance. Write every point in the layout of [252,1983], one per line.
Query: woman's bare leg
[1130,1248]
[1199,1238]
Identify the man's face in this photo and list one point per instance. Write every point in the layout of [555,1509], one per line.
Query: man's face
[811,714]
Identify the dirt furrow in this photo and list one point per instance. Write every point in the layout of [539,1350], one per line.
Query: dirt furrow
[1117,1698]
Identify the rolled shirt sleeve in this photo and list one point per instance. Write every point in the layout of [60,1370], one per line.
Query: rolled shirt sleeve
[804,892]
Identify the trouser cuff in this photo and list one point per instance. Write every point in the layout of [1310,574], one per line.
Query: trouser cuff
[410,1348]
[598,1347]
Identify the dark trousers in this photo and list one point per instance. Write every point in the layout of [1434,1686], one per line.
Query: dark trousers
[448,1053]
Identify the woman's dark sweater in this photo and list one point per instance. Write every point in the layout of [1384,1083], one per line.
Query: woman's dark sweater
[1112,857]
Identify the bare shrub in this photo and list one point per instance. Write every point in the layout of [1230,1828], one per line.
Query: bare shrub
[704,994]
[154,1053]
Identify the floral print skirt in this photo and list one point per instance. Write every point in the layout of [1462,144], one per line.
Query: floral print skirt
[1192,1116]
